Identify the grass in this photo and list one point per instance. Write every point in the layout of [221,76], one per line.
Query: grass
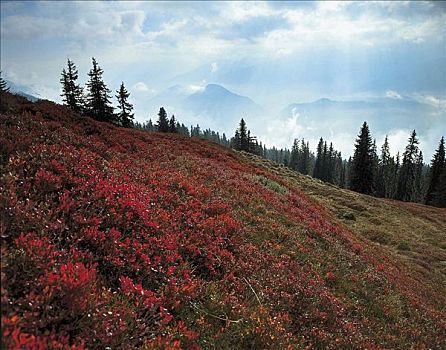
[411,235]
[269,184]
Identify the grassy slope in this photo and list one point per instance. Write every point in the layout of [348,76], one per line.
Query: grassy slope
[412,236]
[122,238]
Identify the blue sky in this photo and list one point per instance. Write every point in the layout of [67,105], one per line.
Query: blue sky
[277,53]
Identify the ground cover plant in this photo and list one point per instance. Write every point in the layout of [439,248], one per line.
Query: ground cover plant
[119,238]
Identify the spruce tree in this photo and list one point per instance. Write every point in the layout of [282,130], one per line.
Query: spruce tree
[385,175]
[243,132]
[304,161]
[172,125]
[439,196]
[3,86]
[407,175]
[418,194]
[361,177]
[162,124]
[294,159]
[72,93]
[125,115]
[317,171]
[438,162]
[235,142]
[98,103]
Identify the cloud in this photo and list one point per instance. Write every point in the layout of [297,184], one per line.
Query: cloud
[141,87]
[393,94]
[317,48]
[214,67]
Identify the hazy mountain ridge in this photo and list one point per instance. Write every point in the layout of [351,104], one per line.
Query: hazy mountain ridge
[213,104]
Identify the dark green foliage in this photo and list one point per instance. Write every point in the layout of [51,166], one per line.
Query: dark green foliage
[294,158]
[407,176]
[98,105]
[125,115]
[438,163]
[244,139]
[439,196]
[72,93]
[172,124]
[163,123]
[386,179]
[361,177]
[318,166]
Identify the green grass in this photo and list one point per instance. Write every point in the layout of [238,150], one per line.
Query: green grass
[270,184]
[412,236]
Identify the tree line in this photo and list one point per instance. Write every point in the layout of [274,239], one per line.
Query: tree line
[407,179]
[404,177]
[94,100]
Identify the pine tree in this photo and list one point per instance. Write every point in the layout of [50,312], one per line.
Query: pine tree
[304,161]
[235,142]
[294,159]
[125,116]
[98,103]
[3,86]
[439,196]
[348,171]
[361,177]
[72,93]
[419,179]
[438,162]
[317,171]
[172,125]
[407,175]
[162,124]
[383,181]
[375,167]
[243,132]
[343,175]
[330,164]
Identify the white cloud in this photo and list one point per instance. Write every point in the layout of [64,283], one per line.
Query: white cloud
[393,94]
[141,87]
[214,67]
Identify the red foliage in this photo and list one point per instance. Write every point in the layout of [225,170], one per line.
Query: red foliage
[121,238]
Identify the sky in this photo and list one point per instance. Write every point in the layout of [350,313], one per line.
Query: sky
[276,53]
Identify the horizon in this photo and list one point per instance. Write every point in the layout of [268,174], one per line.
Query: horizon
[390,56]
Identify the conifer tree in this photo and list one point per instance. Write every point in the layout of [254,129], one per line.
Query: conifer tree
[162,124]
[72,93]
[243,132]
[439,196]
[438,162]
[348,171]
[304,161]
[98,103]
[418,194]
[407,175]
[375,167]
[294,159]
[235,142]
[3,86]
[343,175]
[317,171]
[125,115]
[361,177]
[330,164]
[172,125]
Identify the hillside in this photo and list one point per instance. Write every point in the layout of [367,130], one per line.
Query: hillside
[120,238]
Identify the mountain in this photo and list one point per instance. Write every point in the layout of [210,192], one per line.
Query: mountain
[383,114]
[121,238]
[23,90]
[211,105]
